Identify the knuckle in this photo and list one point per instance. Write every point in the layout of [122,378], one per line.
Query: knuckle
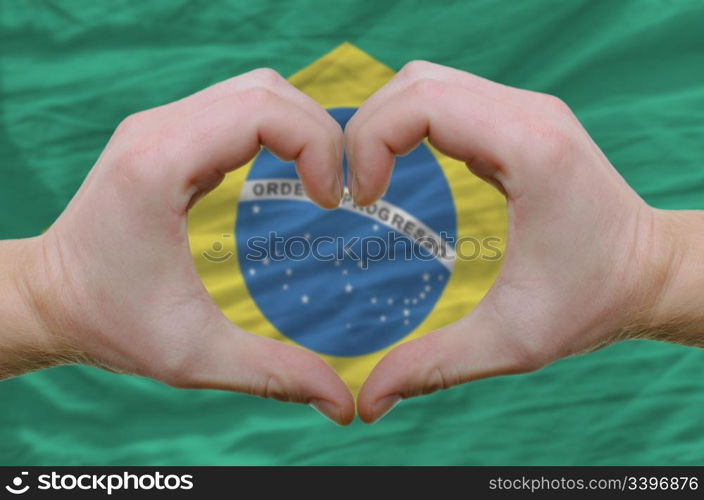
[134,163]
[131,123]
[554,104]
[442,373]
[350,128]
[255,96]
[554,142]
[356,137]
[130,161]
[415,69]
[134,150]
[272,388]
[438,379]
[427,88]
[267,76]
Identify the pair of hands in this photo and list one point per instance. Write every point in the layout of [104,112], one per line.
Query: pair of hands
[112,282]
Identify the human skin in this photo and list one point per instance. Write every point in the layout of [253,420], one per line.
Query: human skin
[112,282]
[587,261]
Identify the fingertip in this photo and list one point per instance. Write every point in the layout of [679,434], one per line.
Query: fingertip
[330,410]
[390,381]
[349,409]
[330,397]
[326,198]
[363,194]
[370,174]
[373,412]
[322,177]
[325,203]
[342,409]
[367,398]
[365,414]
[366,197]
[384,406]
[352,183]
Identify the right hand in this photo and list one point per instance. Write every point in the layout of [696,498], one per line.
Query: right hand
[112,281]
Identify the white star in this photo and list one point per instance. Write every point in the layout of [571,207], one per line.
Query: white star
[289,271]
[373,300]
[252,271]
[337,263]
[375,227]
[390,301]
[382,318]
[426,277]
[421,295]
[348,288]
[415,301]
[307,236]
[304,299]
[285,286]
[439,277]
[359,264]
[265,261]
[406,312]
[406,301]
[344,272]
[348,325]
[428,288]
[256,209]
[405,321]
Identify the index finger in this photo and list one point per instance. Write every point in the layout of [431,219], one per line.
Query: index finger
[461,123]
[185,158]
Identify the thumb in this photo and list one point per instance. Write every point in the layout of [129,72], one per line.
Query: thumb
[473,348]
[231,359]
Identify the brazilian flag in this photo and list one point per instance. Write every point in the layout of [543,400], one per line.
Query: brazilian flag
[632,71]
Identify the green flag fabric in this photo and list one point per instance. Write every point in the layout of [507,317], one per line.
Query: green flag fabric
[632,71]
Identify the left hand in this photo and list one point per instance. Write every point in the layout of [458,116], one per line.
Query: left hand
[586,258]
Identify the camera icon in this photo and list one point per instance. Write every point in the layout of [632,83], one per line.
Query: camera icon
[16,487]
[218,253]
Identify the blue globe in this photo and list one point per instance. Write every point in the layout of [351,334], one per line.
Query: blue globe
[343,302]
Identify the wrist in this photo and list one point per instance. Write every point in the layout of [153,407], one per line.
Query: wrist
[26,344]
[676,313]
